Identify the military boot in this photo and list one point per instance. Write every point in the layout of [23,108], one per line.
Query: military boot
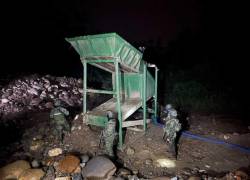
[60,135]
[172,150]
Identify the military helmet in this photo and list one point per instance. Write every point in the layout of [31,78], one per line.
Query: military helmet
[168,106]
[173,112]
[57,103]
[110,115]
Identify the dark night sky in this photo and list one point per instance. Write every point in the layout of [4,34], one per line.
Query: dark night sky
[146,20]
[177,33]
[33,32]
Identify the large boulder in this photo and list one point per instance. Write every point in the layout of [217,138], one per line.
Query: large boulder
[14,170]
[63,178]
[99,167]
[32,174]
[68,164]
[194,178]
[162,178]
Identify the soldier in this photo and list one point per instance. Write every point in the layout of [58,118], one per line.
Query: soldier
[58,120]
[171,128]
[109,134]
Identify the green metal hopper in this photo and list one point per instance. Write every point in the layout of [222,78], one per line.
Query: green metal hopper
[132,83]
[108,47]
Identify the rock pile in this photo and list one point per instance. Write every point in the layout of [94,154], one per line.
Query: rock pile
[72,167]
[20,170]
[67,167]
[39,93]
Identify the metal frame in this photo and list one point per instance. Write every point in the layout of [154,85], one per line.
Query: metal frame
[118,104]
[144,95]
[116,76]
[130,77]
[116,92]
[156,93]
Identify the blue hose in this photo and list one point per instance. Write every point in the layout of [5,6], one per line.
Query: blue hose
[210,140]
[216,141]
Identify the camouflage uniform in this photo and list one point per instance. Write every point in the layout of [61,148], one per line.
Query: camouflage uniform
[58,120]
[109,134]
[171,128]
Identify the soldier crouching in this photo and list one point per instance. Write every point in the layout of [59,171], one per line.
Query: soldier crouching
[58,121]
[171,128]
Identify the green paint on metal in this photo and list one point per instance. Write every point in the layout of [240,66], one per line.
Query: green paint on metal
[156,94]
[118,105]
[107,45]
[144,96]
[130,78]
[84,87]
[97,120]
[150,85]
[100,91]
[99,61]
[132,85]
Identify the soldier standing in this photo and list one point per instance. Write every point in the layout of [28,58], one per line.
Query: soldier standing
[171,128]
[109,134]
[58,120]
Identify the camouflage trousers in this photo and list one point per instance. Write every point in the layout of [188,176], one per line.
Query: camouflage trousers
[109,145]
[172,147]
[61,121]
[59,124]
[170,138]
[60,129]
[58,132]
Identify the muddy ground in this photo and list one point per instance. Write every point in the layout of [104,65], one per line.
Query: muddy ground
[144,152]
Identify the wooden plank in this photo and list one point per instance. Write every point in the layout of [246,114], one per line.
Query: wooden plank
[128,107]
[134,123]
